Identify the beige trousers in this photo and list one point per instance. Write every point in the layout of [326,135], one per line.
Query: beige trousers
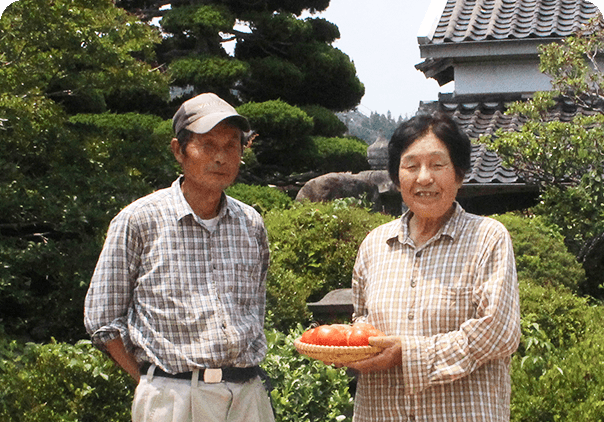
[161,399]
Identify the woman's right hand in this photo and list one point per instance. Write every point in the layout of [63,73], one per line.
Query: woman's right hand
[388,358]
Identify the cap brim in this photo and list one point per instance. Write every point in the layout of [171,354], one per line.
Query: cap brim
[207,123]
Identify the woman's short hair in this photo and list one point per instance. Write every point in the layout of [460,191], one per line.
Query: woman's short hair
[444,128]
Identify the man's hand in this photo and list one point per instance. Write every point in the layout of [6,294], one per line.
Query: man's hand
[388,358]
[118,353]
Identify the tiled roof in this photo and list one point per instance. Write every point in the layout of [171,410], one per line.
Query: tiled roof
[481,20]
[476,119]
[484,118]
[487,168]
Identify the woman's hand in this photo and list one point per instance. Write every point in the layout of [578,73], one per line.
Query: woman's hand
[388,358]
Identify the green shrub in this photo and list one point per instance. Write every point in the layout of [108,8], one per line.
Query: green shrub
[271,77]
[560,383]
[578,211]
[336,155]
[129,152]
[541,255]
[60,382]
[313,249]
[53,223]
[556,310]
[557,372]
[283,131]
[262,198]
[206,19]
[304,389]
[548,275]
[208,73]
[42,286]
[326,123]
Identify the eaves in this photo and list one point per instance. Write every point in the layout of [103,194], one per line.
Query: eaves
[494,48]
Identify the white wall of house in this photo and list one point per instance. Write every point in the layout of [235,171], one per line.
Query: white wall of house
[491,77]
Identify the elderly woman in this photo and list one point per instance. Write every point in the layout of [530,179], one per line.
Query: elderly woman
[441,283]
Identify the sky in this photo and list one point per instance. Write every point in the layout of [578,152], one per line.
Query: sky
[380,37]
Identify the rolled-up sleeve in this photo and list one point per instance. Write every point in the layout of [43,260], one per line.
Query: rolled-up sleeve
[111,289]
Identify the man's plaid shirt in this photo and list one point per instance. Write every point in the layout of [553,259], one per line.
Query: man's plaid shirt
[454,303]
[180,296]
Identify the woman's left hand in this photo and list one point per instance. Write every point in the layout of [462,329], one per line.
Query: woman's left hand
[388,358]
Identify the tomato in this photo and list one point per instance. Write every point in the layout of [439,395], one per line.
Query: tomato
[328,335]
[358,337]
[361,332]
[341,335]
[331,335]
[309,336]
[346,329]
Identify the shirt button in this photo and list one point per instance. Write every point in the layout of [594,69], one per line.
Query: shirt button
[411,315]
[418,254]
[413,283]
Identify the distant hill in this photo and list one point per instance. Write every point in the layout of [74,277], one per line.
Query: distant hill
[369,128]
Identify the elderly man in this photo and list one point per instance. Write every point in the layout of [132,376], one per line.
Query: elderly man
[177,298]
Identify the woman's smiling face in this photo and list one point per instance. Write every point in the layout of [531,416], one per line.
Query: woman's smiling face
[427,178]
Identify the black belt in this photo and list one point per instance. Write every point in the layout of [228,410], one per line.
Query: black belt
[229,374]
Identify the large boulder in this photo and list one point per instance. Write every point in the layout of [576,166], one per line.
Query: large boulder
[369,184]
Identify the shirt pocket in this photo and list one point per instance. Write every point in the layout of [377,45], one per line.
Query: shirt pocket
[446,308]
[241,282]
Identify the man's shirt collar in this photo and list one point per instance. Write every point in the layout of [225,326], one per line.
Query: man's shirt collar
[183,208]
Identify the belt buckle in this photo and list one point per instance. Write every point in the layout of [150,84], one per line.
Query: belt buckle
[212,375]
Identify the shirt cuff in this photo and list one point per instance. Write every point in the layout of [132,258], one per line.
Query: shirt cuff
[104,336]
[117,329]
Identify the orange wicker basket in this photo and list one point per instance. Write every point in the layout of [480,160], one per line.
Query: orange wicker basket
[336,354]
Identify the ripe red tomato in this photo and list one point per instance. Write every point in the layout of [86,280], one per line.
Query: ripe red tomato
[346,329]
[308,336]
[361,332]
[341,335]
[331,335]
[358,337]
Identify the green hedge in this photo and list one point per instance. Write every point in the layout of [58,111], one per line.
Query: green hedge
[54,222]
[313,249]
[557,372]
[336,155]
[58,382]
[541,255]
[262,198]
[305,389]
[283,131]
[326,122]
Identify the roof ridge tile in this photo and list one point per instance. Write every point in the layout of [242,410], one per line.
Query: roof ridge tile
[479,20]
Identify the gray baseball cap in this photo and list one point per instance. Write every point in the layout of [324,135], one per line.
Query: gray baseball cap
[201,113]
